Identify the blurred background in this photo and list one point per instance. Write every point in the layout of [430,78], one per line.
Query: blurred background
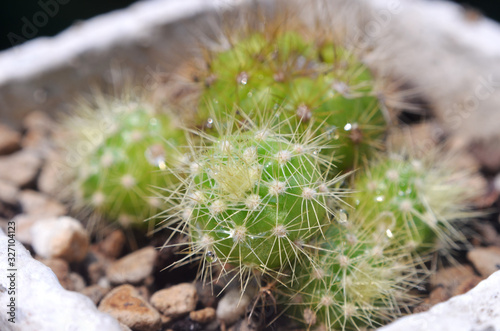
[23,20]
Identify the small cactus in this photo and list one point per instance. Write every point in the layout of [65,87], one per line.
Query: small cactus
[319,82]
[254,195]
[128,145]
[416,200]
[354,281]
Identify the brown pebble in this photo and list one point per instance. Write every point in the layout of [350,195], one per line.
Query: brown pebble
[126,305]
[422,307]
[175,301]
[486,260]
[8,192]
[10,140]
[20,168]
[203,316]
[112,245]
[133,268]
[36,203]
[63,237]
[439,294]
[95,292]
[60,268]
[451,277]
[467,285]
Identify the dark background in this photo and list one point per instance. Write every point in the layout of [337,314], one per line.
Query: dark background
[15,13]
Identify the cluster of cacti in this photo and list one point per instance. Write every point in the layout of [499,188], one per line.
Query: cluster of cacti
[264,189]
[127,146]
[317,82]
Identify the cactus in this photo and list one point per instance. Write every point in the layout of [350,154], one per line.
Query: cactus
[354,281]
[127,145]
[416,200]
[255,195]
[318,81]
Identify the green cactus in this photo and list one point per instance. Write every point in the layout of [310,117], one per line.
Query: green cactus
[354,281]
[129,144]
[309,81]
[416,200]
[254,195]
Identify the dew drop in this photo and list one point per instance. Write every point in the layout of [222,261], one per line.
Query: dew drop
[379,198]
[332,133]
[155,154]
[210,257]
[343,217]
[348,127]
[210,123]
[242,78]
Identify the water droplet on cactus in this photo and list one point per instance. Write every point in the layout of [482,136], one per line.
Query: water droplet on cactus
[242,78]
[155,154]
[343,217]
[211,257]
[333,133]
[210,123]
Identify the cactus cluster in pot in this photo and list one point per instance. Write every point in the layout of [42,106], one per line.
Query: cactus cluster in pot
[278,175]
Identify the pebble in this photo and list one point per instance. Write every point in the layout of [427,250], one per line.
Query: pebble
[175,301]
[43,304]
[133,268]
[486,260]
[112,245]
[77,283]
[36,203]
[127,306]
[38,127]
[450,278]
[54,174]
[203,316]
[62,237]
[20,168]
[96,264]
[467,285]
[24,223]
[10,140]
[95,292]
[232,305]
[8,192]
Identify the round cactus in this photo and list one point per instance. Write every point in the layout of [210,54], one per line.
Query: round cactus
[318,82]
[255,195]
[127,144]
[416,200]
[353,282]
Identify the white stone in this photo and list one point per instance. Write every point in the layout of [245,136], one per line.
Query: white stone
[478,309]
[61,237]
[232,305]
[42,304]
